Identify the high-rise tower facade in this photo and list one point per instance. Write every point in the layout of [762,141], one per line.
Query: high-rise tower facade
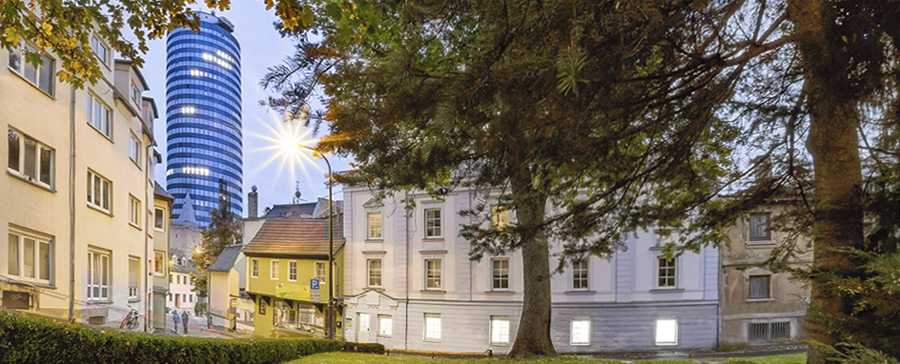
[203,117]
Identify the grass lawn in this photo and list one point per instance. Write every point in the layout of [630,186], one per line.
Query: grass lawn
[355,358]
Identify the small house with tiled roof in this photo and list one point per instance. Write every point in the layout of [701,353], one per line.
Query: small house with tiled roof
[287,272]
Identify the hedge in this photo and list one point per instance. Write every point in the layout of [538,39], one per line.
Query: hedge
[32,339]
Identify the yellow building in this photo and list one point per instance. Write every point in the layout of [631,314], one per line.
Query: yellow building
[287,273]
[162,207]
[77,192]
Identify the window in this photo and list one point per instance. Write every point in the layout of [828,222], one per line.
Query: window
[134,211]
[98,191]
[100,50]
[134,267]
[580,331]
[500,273]
[666,332]
[374,225]
[432,274]
[99,115]
[159,262]
[98,276]
[666,273]
[499,217]
[432,326]
[292,271]
[580,274]
[320,271]
[254,268]
[159,218]
[274,269]
[364,322]
[178,278]
[134,149]
[499,329]
[759,287]
[759,227]
[432,223]
[30,159]
[385,325]
[41,76]
[768,331]
[29,257]
[136,94]
[374,272]
[170,278]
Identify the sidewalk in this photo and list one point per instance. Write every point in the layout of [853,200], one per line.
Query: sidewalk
[197,328]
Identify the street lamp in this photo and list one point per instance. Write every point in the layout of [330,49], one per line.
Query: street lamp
[329,318]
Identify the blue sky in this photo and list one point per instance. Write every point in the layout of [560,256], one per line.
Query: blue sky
[273,170]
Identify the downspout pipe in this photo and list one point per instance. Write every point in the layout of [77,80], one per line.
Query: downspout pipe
[147,287]
[406,231]
[72,206]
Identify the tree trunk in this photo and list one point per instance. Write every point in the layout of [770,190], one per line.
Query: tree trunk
[533,336]
[833,143]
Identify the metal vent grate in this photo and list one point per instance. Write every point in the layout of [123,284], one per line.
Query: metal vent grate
[768,331]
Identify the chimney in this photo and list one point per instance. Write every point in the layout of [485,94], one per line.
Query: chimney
[253,202]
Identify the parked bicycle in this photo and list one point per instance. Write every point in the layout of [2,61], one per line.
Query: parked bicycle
[131,320]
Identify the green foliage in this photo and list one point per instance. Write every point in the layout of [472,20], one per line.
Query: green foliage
[224,229]
[728,347]
[31,339]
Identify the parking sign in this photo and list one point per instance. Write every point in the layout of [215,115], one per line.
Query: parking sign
[314,283]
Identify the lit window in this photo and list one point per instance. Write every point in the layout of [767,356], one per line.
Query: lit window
[759,227]
[98,276]
[432,274]
[292,271]
[580,331]
[159,262]
[99,115]
[499,217]
[374,225]
[580,274]
[666,332]
[41,77]
[30,159]
[666,273]
[499,329]
[432,223]
[385,325]
[759,287]
[98,191]
[432,326]
[374,272]
[275,269]
[500,273]
[134,211]
[29,257]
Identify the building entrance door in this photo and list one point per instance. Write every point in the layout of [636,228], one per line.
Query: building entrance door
[363,335]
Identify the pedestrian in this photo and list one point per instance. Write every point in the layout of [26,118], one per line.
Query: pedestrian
[175,320]
[184,320]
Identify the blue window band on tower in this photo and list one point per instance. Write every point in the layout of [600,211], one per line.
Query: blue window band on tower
[203,111]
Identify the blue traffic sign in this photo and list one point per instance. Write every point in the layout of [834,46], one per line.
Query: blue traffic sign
[314,283]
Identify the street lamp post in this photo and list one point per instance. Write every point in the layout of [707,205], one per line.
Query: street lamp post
[329,318]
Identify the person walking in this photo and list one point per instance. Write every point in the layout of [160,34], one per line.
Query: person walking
[175,320]
[184,320]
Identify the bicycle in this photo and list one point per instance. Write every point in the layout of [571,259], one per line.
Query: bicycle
[131,319]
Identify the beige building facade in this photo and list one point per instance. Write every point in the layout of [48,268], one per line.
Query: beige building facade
[78,192]
[758,305]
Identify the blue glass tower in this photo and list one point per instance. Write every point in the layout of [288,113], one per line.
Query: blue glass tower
[203,117]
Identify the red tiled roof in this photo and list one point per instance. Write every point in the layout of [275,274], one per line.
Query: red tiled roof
[295,236]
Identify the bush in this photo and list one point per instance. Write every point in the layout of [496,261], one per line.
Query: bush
[31,339]
[729,347]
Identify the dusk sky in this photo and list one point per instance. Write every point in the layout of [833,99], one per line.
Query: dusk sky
[275,174]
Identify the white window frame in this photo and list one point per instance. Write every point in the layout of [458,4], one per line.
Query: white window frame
[134,149]
[434,275]
[433,223]
[292,270]
[433,328]
[37,175]
[575,328]
[134,290]
[321,271]
[97,196]
[500,329]
[18,64]
[500,279]
[134,211]
[100,50]
[99,274]
[659,335]
[159,216]
[17,259]
[274,269]
[581,275]
[365,322]
[99,115]
[254,268]
[754,237]
[657,277]
[375,275]
[375,229]
[385,325]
